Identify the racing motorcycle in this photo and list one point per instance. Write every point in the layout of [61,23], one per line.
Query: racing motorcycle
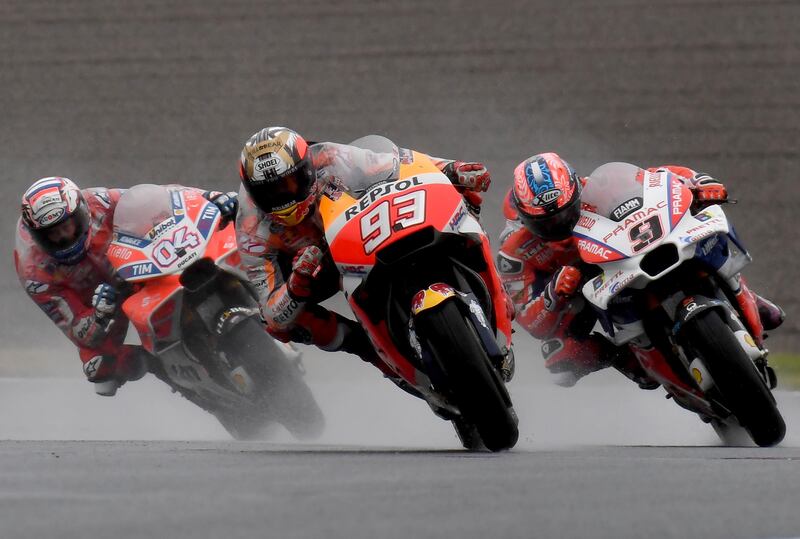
[198,318]
[418,275]
[662,286]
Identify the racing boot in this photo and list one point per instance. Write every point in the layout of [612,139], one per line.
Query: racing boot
[771,315]
[625,361]
[357,342]
[109,373]
[570,359]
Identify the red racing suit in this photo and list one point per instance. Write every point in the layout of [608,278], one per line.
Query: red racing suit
[268,248]
[64,292]
[527,265]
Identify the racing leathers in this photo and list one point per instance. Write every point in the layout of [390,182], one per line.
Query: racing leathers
[543,281]
[292,269]
[84,299]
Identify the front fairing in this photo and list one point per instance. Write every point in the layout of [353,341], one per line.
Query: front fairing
[411,193]
[636,226]
[160,231]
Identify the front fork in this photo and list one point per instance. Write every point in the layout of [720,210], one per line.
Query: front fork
[687,307]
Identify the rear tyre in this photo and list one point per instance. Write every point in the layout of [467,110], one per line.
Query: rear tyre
[281,393]
[742,389]
[731,433]
[469,435]
[476,388]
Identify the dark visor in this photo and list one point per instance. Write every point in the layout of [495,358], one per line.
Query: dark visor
[557,226]
[279,193]
[64,235]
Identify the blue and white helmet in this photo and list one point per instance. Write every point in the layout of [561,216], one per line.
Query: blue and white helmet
[57,217]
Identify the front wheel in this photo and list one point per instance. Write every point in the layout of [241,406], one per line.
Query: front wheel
[281,392]
[471,380]
[737,380]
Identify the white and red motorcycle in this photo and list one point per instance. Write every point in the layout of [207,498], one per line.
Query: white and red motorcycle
[197,316]
[662,287]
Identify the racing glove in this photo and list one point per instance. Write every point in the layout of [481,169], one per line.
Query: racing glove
[104,301]
[305,268]
[708,190]
[228,204]
[471,176]
[565,281]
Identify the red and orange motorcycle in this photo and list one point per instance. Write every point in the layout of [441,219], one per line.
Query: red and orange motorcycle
[419,276]
[198,317]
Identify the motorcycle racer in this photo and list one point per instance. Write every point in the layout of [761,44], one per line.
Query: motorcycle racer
[539,264]
[60,257]
[281,239]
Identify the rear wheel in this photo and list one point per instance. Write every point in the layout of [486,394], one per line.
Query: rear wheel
[731,433]
[736,378]
[475,386]
[281,393]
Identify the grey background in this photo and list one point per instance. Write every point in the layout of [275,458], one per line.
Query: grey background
[118,93]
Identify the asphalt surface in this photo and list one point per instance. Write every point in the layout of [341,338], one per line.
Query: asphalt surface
[601,460]
[162,489]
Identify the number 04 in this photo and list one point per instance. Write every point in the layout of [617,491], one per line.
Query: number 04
[376,226]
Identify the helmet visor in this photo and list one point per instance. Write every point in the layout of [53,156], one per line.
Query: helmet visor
[281,192]
[65,237]
[556,226]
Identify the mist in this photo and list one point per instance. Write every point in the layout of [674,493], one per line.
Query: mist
[364,410]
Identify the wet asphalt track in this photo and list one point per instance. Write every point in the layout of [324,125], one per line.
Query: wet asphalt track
[600,460]
[202,489]
[118,93]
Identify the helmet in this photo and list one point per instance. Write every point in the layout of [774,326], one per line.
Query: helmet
[57,217]
[276,173]
[547,194]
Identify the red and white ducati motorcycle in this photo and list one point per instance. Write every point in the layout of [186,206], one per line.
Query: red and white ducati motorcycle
[419,276]
[662,287]
[195,313]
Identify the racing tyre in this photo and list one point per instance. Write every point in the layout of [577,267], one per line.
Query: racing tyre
[475,386]
[731,433]
[469,435]
[743,390]
[282,394]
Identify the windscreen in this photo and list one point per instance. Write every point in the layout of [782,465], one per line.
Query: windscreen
[614,190]
[141,208]
[362,163]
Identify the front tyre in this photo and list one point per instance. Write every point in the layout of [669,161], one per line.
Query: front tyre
[742,389]
[281,392]
[472,382]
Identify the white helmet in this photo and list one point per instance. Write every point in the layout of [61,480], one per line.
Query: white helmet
[57,217]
